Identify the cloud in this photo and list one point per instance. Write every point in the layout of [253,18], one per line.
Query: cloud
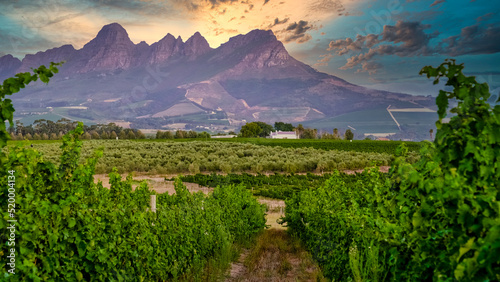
[369,67]
[404,39]
[437,2]
[218,2]
[473,40]
[485,17]
[327,6]
[278,22]
[297,32]
[324,60]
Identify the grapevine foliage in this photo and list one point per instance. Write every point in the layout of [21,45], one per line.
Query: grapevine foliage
[437,219]
[71,229]
[13,85]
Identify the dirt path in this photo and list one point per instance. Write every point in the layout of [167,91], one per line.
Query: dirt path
[275,256]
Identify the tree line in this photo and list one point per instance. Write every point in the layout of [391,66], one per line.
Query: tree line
[43,129]
[262,129]
[181,134]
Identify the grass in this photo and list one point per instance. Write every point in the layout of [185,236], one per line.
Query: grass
[277,256]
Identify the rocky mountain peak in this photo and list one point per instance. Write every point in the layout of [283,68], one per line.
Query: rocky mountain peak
[165,48]
[110,49]
[110,34]
[196,45]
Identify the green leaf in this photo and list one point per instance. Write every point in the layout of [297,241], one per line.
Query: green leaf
[78,275]
[465,248]
[71,222]
[82,248]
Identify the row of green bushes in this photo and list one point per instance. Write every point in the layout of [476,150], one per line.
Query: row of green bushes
[435,220]
[200,156]
[387,147]
[278,186]
[70,229]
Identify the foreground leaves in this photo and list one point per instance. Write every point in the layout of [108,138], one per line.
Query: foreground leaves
[437,219]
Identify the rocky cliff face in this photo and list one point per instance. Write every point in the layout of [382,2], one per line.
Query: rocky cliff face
[259,54]
[63,53]
[8,66]
[111,49]
[196,46]
[167,47]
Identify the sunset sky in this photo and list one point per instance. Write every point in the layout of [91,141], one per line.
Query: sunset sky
[379,44]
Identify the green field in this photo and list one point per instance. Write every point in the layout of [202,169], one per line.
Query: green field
[202,156]
[328,144]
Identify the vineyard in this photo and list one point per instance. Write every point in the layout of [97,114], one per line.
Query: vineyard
[434,217]
[71,229]
[202,156]
[368,146]
[277,186]
[437,219]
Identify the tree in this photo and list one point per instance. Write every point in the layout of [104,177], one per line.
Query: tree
[122,135]
[179,134]
[250,130]
[159,135]
[309,133]
[203,135]
[104,135]
[140,135]
[168,135]
[283,126]
[113,135]
[130,135]
[94,134]
[299,130]
[336,134]
[348,135]
[266,128]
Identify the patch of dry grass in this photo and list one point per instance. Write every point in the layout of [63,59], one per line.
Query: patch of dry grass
[276,256]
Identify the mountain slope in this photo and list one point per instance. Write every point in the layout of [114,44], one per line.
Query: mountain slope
[250,77]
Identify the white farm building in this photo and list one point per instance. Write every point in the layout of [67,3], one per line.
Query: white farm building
[284,135]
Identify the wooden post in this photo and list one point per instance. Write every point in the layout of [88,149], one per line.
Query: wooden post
[152,203]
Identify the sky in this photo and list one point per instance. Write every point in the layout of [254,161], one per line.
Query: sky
[379,44]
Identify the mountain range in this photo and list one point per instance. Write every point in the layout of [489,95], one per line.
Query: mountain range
[250,77]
